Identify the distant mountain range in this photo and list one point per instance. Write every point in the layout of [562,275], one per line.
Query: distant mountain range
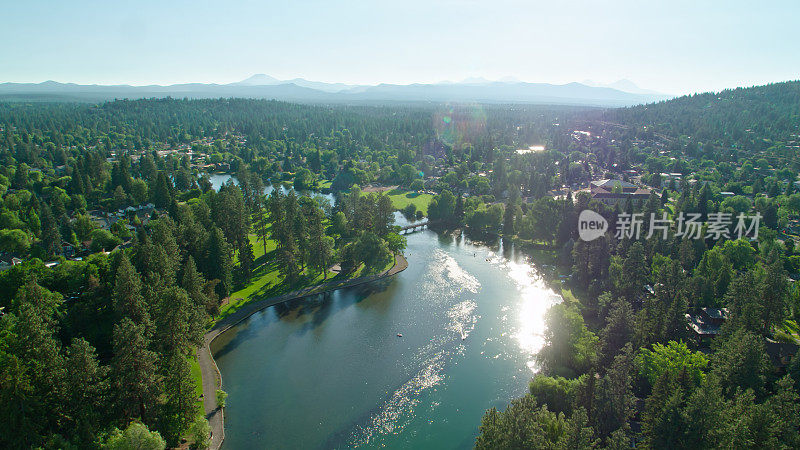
[508,90]
[625,86]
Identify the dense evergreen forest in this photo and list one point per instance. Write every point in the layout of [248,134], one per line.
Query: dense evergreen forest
[117,254]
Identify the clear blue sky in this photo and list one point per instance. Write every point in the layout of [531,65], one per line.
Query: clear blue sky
[671,46]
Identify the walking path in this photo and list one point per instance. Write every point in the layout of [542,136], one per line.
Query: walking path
[212,379]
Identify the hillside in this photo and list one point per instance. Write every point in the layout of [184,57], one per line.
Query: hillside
[741,115]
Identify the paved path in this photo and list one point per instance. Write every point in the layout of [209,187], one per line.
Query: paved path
[212,379]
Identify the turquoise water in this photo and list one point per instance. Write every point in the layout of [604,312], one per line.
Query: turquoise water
[331,372]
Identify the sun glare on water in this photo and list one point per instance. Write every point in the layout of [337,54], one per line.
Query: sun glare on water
[534,301]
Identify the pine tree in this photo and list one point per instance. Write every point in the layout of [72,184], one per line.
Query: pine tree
[134,373]
[178,410]
[320,246]
[51,237]
[32,375]
[246,260]
[195,286]
[172,323]
[86,391]
[508,220]
[384,215]
[162,193]
[219,264]
[617,332]
[614,402]
[127,295]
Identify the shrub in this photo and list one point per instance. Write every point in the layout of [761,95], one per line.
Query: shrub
[221,397]
[201,433]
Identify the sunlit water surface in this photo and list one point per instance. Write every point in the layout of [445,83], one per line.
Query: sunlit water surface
[331,372]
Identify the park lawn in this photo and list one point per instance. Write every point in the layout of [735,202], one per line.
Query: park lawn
[266,280]
[402,198]
[258,246]
[388,265]
[197,376]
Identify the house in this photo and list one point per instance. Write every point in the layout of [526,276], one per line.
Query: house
[604,191]
[692,183]
[609,185]
[706,324]
[8,261]
[780,353]
[667,178]
[99,218]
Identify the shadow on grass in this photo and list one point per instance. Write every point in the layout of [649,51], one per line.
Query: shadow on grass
[267,271]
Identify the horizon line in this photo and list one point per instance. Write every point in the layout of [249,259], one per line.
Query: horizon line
[279,81]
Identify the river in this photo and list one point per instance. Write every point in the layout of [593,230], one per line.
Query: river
[218,179]
[331,372]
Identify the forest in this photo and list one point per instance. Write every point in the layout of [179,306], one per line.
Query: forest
[117,254]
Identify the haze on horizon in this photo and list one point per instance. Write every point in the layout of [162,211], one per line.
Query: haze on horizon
[677,47]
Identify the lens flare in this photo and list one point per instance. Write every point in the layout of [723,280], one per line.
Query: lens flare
[459,124]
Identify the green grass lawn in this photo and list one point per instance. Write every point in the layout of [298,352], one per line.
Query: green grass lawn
[402,198]
[197,376]
[788,332]
[258,246]
[266,280]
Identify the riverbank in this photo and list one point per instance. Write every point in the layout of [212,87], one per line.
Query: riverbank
[212,378]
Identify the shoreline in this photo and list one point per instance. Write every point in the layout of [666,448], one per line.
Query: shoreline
[212,378]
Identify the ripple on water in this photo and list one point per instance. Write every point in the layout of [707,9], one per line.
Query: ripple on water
[462,318]
[445,280]
[397,412]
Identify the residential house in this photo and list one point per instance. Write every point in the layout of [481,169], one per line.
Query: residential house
[612,192]
[706,324]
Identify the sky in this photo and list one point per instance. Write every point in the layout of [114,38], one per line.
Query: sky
[674,47]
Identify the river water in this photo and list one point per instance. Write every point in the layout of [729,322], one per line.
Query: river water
[218,179]
[331,372]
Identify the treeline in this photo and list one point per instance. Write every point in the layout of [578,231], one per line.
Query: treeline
[738,117]
[620,368]
[303,143]
[93,345]
[119,348]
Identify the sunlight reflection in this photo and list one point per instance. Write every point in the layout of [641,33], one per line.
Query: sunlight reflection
[535,299]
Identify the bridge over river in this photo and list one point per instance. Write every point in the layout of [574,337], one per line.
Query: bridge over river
[414,227]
